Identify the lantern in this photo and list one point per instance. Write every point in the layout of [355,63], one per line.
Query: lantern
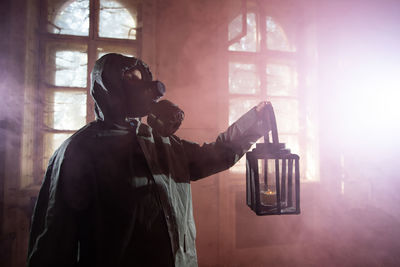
[272,175]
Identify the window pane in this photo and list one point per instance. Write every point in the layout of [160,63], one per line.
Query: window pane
[51,142]
[281,80]
[127,51]
[68,17]
[247,43]
[66,110]
[239,106]
[286,113]
[66,64]
[117,21]
[243,78]
[276,37]
[71,69]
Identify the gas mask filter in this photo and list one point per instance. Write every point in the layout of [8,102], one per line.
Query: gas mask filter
[165,117]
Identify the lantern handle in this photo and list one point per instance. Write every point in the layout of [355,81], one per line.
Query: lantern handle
[274,129]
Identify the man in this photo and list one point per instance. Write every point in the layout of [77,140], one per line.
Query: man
[117,193]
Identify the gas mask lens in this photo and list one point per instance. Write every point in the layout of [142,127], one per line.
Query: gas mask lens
[134,77]
[132,74]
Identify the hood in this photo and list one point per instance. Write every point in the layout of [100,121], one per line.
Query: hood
[106,87]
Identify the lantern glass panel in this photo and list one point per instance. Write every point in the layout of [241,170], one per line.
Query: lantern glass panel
[277,183]
[267,184]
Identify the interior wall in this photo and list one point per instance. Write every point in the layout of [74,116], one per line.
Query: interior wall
[4,46]
[13,36]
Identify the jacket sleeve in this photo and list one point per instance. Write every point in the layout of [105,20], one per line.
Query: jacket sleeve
[54,230]
[53,236]
[228,148]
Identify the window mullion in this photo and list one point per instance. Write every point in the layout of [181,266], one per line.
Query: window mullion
[263,59]
[93,16]
[38,133]
[62,88]
[91,60]
[43,16]
[262,31]
[39,118]
[63,37]
[93,35]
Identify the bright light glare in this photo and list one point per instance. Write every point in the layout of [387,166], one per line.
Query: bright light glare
[380,98]
[371,101]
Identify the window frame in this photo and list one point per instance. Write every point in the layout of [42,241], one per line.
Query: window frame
[261,58]
[92,41]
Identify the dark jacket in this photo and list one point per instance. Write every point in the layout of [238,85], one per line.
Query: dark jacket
[86,209]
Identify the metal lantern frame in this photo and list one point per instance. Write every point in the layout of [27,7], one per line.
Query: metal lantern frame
[284,198]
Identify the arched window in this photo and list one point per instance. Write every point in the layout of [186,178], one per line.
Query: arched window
[74,34]
[263,65]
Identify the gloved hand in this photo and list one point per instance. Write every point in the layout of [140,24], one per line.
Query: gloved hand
[165,117]
[262,110]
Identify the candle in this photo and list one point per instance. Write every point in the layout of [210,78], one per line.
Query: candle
[268,198]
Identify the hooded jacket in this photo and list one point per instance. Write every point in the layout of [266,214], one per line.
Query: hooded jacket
[87,210]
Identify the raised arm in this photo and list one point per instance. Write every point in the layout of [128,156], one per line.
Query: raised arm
[229,146]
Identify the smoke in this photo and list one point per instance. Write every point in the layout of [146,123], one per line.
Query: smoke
[351,216]
[359,64]
[10,105]
[190,34]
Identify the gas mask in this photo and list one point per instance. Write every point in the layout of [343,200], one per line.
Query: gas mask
[139,90]
[142,94]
